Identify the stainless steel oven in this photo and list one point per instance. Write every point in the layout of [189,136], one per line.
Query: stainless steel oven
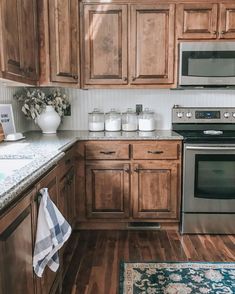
[207,64]
[208,183]
[208,203]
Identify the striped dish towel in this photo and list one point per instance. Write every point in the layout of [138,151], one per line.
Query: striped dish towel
[52,232]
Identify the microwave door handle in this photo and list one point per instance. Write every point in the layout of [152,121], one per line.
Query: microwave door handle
[219,148]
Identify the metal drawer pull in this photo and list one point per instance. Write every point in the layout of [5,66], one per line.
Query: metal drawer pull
[155,152]
[107,152]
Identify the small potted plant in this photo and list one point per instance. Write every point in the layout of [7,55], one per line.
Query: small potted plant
[45,107]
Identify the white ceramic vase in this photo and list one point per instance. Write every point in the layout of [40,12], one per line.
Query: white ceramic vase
[49,120]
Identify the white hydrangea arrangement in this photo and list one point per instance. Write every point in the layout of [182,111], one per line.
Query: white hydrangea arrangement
[35,100]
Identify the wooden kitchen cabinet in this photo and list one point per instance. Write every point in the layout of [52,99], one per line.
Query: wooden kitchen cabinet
[105,44]
[152,44]
[19,41]
[107,189]
[155,190]
[59,42]
[49,280]
[197,20]
[227,21]
[67,179]
[143,184]
[16,247]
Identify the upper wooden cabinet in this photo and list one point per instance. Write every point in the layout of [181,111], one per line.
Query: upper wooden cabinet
[105,47]
[227,21]
[206,21]
[197,20]
[59,42]
[152,44]
[19,43]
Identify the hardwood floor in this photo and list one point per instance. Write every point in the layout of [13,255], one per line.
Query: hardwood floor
[94,268]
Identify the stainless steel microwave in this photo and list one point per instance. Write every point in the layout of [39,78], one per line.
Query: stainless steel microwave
[207,64]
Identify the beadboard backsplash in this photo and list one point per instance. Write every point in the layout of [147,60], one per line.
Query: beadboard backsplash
[161,101]
[6,97]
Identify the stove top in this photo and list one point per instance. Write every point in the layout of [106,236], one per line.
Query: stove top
[204,125]
[202,137]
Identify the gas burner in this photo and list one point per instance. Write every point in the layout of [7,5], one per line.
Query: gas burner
[212,132]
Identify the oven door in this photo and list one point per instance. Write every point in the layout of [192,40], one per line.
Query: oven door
[209,178]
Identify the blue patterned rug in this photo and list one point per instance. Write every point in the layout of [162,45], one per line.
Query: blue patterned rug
[177,278]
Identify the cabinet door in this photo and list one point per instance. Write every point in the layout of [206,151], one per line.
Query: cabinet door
[155,190]
[49,278]
[71,196]
[63,196]
[107,190]
[11,37]
[16,251]
[19,38]
[105,33]
[64,41]
[152,44]
[227,21]
[29,39]
[197,21]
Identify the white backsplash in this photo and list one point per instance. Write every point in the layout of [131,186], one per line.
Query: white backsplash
[83,101]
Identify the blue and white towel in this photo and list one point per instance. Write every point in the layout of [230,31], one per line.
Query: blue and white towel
[52,232]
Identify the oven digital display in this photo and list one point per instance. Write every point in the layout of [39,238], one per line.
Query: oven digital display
[207,114]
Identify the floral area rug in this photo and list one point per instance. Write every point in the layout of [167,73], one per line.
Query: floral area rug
[177,278]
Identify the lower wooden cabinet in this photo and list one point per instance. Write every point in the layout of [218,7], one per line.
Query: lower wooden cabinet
[16,251]
[18,232]
[49,279]
[145,186]
[155,190]
[107,190]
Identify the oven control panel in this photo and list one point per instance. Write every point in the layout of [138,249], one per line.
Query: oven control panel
[203,115]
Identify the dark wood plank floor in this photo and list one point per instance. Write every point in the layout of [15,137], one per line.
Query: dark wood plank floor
[94,268]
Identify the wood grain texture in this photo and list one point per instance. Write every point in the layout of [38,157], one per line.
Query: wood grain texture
[155,189]
[105,44]
[95,267]
[107,190]
[156,150]
[227,21]
[107,150]
[1,133]
[152,44]
[16,238]
[64,41]
[197,20]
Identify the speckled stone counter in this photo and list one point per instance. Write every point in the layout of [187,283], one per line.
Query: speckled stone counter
[44,151]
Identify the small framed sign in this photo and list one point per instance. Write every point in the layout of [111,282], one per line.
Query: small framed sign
[7,119]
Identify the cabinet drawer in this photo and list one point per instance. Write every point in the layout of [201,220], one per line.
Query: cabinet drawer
[156,150]
[107,150]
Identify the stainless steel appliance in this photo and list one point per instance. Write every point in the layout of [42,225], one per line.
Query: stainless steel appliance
[207,64]
[208,200]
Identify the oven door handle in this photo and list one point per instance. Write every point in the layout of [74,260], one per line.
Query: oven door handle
[210,148]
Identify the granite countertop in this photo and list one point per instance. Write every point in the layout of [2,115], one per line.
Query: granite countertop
[40,152]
